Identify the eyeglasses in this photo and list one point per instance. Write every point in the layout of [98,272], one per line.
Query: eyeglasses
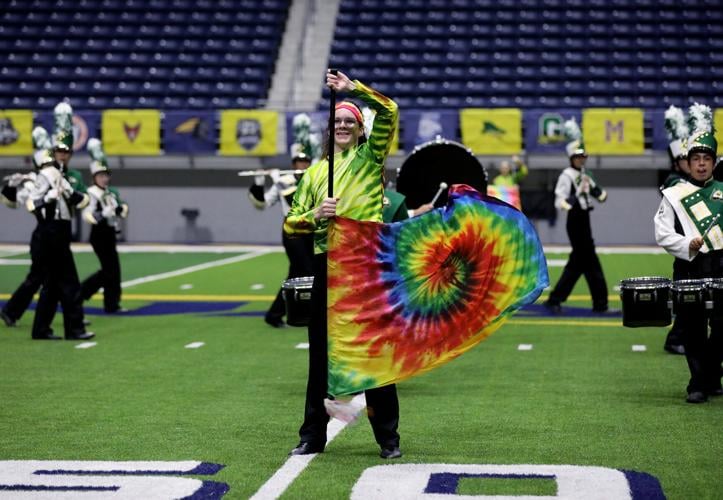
[349,122]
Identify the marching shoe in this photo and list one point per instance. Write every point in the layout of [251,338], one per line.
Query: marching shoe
[86,322]
[696,397]
[275,322]
[674,348]
[715,392]
[306,448]
[391,452]
[7,319]
[552,308]
[48,336]
[81,336]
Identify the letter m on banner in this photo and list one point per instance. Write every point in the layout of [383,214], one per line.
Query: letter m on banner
[613,131]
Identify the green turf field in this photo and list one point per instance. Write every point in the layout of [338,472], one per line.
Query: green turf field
[579,397]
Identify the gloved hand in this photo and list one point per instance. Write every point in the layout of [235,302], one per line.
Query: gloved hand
[603,196]
[51,195]
[108,211]
[565,206]
[275,175]
[260,180]
[15,180]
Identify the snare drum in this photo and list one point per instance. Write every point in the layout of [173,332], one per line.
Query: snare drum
[645,301]
[715,295]
[689,298]
[297,295]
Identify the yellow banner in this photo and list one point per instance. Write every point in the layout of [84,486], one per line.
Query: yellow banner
[613,131]
[248,132]
[16,127]
[718,124]
[492,131]
[131,131]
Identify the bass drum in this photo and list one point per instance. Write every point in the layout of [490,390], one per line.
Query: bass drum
[434,162]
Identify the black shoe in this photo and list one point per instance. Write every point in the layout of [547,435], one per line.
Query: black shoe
[120,310]
[306,448]
[86,322]
[674,348]
[48,336]
[81,336]
[715,392]
[552,308]
[275,322]
[605,311]
[391,452]
[7,319]
[696,397]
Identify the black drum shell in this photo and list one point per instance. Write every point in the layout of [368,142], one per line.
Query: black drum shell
[297,296]
[645,302]
[434,162]
[715,288]
[689,298]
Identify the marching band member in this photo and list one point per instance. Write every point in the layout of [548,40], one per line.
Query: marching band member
[299,249]
[685,212]
[509,176]
[103,213]
[358,192]
[51,199]
[574,192]
[677,129]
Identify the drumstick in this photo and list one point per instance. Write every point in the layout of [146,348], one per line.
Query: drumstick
[442,187]
[710,226]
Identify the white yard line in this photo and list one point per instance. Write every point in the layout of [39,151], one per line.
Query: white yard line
[86,345]
[524,347]
[15,262]
[191,269]
[295,465]
[194,345]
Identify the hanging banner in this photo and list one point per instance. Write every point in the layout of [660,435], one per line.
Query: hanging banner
[610,131]
[191,132]
[16,127]
[424,126]
[86,124]
[492,131]
[544,129]
[656,119]
[718,123]
[248,132]
[131,131]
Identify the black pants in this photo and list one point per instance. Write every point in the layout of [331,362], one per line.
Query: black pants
[60,281]
[103,241]
[382,403]
[23,295]
[704,349]
[300,252]
[583,261]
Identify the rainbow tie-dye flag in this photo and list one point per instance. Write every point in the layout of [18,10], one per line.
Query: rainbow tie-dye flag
[508,194]
[410,296]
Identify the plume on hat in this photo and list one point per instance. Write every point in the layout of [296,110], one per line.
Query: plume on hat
[676,124]
[63,115]
[572,130]
[700,119]
[99,162]
[41,139]
[305,141]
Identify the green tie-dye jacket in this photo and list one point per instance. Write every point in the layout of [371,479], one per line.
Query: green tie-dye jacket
[358,175]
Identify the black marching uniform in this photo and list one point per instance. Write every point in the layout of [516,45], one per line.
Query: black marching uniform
[51,200]
[14,193]
[574,193]
[103,214]
[299,249]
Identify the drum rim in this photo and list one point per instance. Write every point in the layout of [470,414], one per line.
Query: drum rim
[689,285]
[644,282]
[439,140]
[290,283]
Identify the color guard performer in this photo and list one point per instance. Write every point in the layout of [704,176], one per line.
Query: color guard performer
[103,213]
[574,193]
[299,249]
[358,193]
[685,213]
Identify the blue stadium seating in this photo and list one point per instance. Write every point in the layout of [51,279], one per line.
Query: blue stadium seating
[537,53]
[145,53]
